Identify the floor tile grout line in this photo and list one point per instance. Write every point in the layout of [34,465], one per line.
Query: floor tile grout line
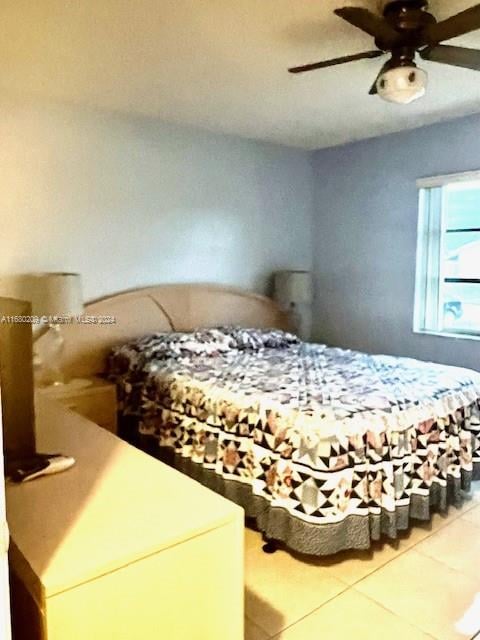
[353,585]
[289,626]
[474,504]
[475,524]
[468,511]
[446,566]
[382,606]
[429,535]
[442,564]
[349,588]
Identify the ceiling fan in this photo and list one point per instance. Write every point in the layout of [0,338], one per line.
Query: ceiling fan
[405,29]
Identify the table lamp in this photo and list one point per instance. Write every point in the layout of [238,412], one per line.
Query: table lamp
[293,290]
[56,298]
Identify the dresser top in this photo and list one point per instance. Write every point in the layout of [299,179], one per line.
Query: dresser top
[114,507]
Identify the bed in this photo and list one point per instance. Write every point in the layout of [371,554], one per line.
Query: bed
[326,449]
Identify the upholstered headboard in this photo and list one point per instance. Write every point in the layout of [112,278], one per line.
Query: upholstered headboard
[160,308]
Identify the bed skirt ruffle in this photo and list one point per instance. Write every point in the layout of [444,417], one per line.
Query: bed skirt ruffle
[354,532]
[384,482]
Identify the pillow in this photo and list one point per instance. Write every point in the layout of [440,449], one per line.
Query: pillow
[124,359]
[255,339]
[135,354]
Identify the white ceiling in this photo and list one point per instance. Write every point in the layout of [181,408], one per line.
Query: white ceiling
[219,64]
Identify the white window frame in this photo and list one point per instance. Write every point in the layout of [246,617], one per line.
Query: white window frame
[430,236]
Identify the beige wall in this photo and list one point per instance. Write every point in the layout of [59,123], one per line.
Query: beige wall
[132,201]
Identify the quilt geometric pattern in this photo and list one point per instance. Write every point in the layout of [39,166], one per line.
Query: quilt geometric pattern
[321,432]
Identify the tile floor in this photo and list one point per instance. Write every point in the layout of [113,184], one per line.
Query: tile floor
[424,586]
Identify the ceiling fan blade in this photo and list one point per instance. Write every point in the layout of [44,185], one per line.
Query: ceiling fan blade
[456,56]
[372,24]
[373,90]
[335,61]
[458,25]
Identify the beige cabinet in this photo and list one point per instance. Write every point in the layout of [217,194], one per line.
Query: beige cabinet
[95,399]
[121,547]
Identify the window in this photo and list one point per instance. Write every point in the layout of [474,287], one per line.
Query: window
[447,295]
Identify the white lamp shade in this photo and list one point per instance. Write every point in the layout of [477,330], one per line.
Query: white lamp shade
[293,287]
[50,294]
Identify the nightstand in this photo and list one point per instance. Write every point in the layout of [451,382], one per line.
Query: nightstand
[96,401]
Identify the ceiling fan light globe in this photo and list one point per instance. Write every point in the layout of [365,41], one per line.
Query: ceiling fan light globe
[402,85]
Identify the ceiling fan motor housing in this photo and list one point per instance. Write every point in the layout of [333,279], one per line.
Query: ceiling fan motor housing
[384,6]
[408,18]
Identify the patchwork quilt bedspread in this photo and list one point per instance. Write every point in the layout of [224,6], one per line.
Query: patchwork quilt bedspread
[326,448]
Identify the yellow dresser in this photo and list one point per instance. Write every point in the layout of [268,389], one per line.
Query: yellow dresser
[121,546]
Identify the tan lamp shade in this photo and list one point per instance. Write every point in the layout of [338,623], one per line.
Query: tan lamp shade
[293,287]
[50,294]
